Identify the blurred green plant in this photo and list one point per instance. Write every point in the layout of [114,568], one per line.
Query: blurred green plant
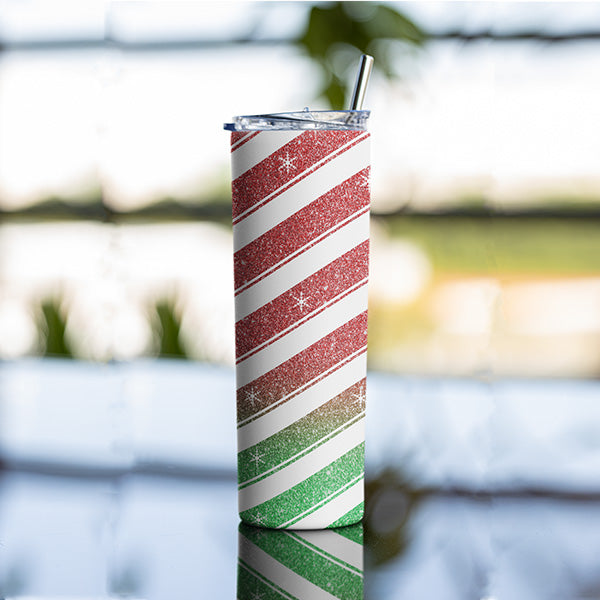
[166,330]
[337,33]
[502,245]
[52,325]
[390,503]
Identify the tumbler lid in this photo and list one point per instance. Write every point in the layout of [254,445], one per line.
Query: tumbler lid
[305,119]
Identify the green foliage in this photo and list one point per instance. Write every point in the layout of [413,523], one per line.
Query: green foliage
[167,329]
[337,33]
[550,246]
[52,326]
[391,502]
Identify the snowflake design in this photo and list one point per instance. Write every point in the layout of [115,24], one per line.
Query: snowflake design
[360,399]
[258,519]
[364,181]
[256,595]
[287,163]
[256,458]
[302,302]
[252,397]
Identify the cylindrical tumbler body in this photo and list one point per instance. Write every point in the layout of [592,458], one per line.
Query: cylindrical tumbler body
[307,565]
[301,249]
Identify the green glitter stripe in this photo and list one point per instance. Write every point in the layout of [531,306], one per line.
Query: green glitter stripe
[325,501]
[307,451]
[251,583]
[271,540]
[298,438]
[307,561]
[303,491]
[326,555]
[307,496]
[350,518]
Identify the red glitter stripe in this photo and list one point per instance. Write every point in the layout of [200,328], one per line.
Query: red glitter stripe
[280,170]
[296,232]
[301,321]
[285,310]
[306,386]
[302,368]
[237,136]
[237,141]
[297,180]
[302,251]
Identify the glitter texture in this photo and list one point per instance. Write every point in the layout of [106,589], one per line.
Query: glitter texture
[330,560]
[301,468]
[303,155]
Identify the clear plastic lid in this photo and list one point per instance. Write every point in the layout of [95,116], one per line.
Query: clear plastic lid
[305,119]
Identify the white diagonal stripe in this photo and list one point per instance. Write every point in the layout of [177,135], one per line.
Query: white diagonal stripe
[303,468]
[242,139]
[301,539]
[307,317]
[297,270]
[299,251]
[337,545]
[291,523]
[302,193]
[310,448]
[301,175]
[334,509]
[257,149]
[310,399]
[302,337]
[280,575]
[251,397]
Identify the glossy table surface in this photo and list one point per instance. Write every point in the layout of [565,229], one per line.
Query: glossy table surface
[119,481]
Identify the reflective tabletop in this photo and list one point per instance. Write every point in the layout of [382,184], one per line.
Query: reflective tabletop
[474,489]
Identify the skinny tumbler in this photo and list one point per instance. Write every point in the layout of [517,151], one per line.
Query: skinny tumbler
[300,187]
[305,565]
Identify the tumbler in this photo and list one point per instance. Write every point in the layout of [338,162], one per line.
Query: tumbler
[300,208]
[306,565]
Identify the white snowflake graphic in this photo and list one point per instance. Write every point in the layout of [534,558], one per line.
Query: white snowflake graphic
[365,181]
[302,301]
[258,519]
[251,397]
[360,399]
[256,595]
[287,163]
[256,458]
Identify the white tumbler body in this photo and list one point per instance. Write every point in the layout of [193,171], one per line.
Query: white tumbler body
[306,565]
[301,257]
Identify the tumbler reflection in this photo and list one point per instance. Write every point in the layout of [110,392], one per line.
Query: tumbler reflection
[307,564]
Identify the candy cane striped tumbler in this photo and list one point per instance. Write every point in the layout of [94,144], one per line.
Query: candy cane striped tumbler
[303,565]
[301,248]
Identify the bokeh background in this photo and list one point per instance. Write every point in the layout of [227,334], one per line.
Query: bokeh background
[115,240]
[117,462]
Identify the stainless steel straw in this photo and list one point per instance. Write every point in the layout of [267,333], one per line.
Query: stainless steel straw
[362,81]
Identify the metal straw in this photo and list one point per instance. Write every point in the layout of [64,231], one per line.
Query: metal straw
[362,81]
